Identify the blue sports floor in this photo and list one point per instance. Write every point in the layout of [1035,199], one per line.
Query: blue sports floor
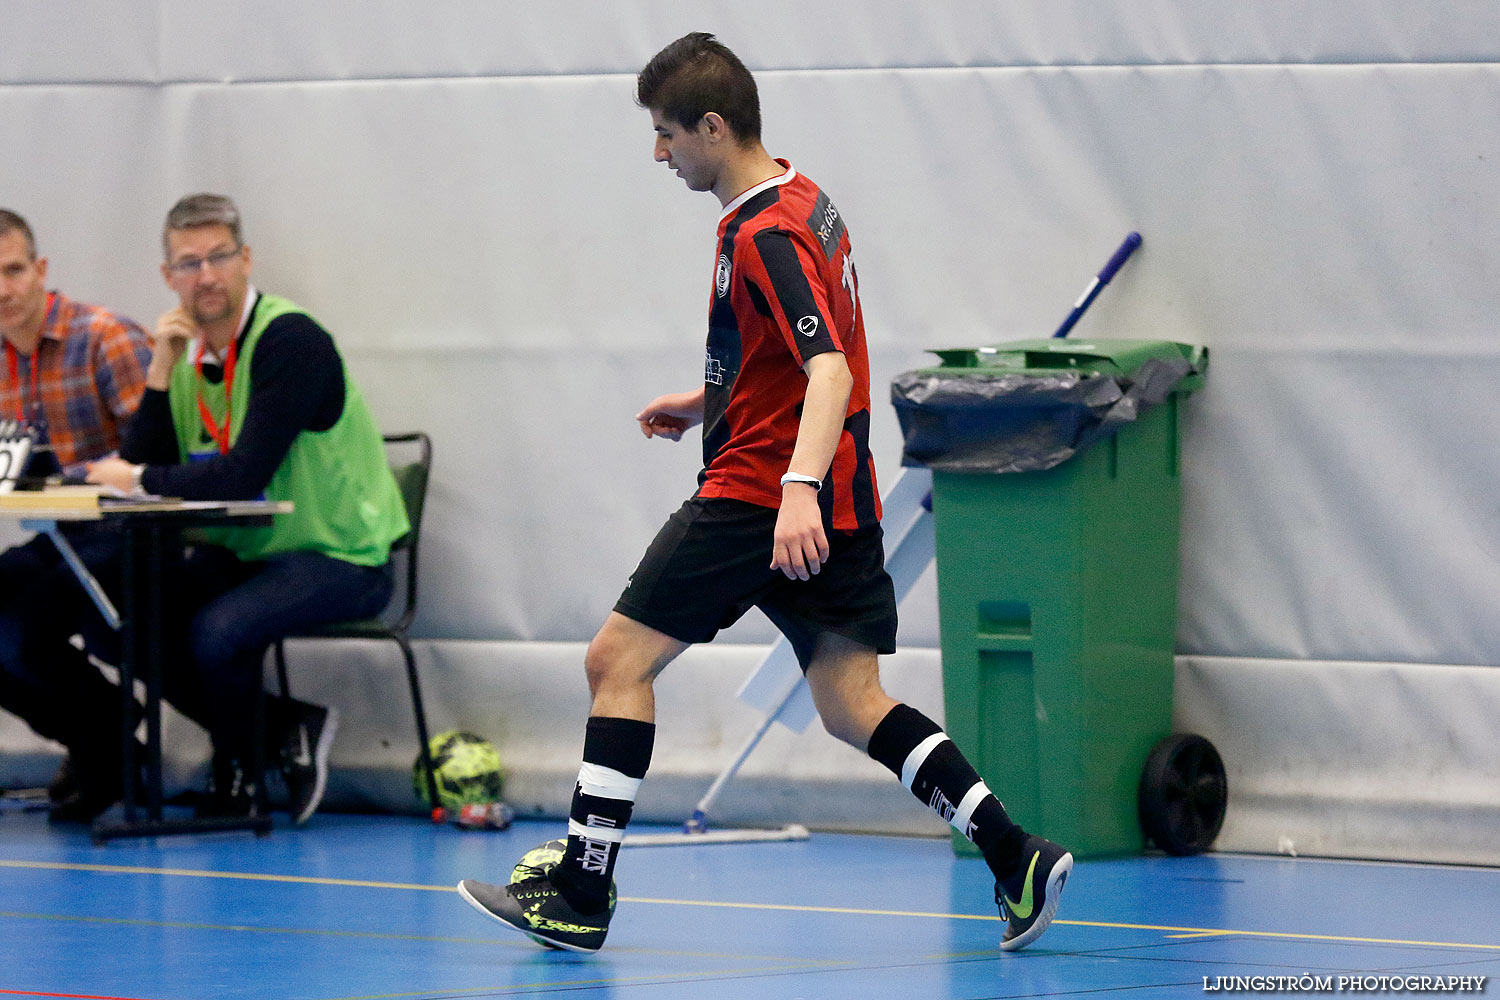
[364,907]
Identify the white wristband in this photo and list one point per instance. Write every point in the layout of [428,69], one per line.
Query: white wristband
[797,477]
[136,473]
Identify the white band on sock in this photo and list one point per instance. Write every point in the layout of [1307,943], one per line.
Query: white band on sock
[607,783]
[612,834]
[918,757]
[971,800]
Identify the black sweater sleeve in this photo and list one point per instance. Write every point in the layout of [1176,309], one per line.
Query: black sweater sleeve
[150,437]
[296,385]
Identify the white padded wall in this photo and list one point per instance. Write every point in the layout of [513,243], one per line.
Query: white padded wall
[172,40]
[463,192]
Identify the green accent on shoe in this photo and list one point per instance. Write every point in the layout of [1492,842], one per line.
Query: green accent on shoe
[539,922]
[535,907]
[1023,908]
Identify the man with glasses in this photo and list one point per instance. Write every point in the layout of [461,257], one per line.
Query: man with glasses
[72,377]
[247,396]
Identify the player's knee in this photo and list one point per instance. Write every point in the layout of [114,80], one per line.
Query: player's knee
[849,712]
[840,726]
[605,663]
[836,713]
[853,724]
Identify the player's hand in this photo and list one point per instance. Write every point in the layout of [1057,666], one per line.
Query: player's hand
[672,415]
[800,545]
[115,473]
[664,425]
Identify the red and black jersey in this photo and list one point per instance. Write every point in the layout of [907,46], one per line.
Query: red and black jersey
[784,291]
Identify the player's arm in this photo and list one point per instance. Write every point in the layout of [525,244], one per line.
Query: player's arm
[801,545]
[670,416]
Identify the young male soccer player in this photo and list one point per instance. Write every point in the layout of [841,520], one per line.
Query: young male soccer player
[786,518]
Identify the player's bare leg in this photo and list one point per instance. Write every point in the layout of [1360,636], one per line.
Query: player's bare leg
[622,664]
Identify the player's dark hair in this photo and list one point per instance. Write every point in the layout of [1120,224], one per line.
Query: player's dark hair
[695,75]
[11,222]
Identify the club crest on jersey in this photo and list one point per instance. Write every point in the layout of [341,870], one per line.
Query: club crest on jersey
[721,275]
[807,325]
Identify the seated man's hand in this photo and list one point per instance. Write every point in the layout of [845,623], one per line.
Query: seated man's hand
[169,341]
[175,329]
[116,473]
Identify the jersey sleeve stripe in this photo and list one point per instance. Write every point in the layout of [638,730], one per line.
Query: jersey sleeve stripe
[804,321]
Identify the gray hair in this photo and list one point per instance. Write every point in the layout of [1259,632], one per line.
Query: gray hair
[201,210]
[10,222]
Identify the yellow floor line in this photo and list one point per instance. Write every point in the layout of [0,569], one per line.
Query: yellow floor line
[245,876]
[245,928]
[549,985]
[783,907]
[1284,935]
[775,966]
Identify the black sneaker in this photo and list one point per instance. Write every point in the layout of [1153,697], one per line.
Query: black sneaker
[231,793]
[1028,899]
[535,907]
[89,795]
[64,783]
[88,783]
[304,756]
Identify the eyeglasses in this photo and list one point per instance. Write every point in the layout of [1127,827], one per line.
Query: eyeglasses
[189,267]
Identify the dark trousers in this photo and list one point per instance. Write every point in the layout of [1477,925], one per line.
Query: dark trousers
[224,613]
[219,617]
[44,679]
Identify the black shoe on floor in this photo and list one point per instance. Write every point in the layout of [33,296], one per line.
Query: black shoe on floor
[84,803]
[232,792]
[64,783]
[88,782]
[1028,899]
[304,747]
[535,907]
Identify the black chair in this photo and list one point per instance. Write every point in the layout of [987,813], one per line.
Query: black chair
[411,478]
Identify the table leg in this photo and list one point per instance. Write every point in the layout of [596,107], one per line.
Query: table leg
[129,659]
[142,654]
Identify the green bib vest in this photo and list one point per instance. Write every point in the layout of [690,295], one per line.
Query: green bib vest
[346,503]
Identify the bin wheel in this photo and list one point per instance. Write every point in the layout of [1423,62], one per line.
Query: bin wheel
[1183,794]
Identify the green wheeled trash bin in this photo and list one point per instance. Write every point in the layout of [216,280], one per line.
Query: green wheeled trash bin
[1056,496]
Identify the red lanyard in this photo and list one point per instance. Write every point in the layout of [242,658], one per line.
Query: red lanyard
[15,371]
[219,434]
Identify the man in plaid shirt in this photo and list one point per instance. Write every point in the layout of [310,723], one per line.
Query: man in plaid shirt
[73,374]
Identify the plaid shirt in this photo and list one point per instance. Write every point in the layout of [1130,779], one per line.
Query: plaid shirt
[91,375]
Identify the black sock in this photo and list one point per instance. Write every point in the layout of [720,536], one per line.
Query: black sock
[919,753]
[616,754]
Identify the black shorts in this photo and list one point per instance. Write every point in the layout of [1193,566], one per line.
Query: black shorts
[710,563]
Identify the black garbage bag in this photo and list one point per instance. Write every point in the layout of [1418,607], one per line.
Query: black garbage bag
[971,420]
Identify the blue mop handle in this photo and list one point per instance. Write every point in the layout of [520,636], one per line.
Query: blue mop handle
[1121,255]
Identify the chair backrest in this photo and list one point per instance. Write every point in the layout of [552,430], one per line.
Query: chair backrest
[411,480]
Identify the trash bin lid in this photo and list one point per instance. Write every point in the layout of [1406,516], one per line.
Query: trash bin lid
[1109,357]
[1029,405]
